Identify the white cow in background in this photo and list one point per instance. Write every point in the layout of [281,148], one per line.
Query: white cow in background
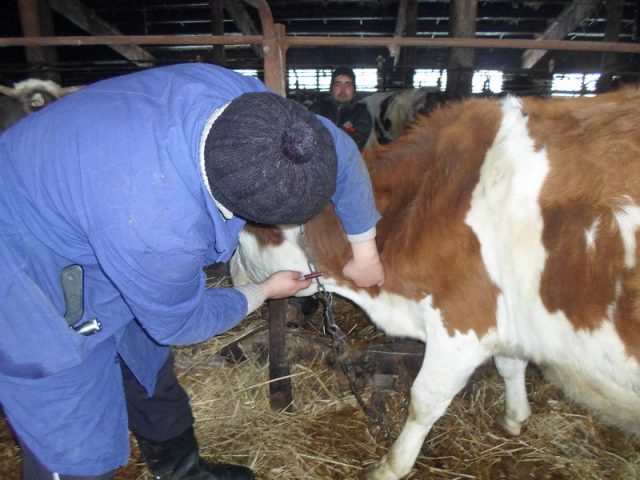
[26,97]
[392,112]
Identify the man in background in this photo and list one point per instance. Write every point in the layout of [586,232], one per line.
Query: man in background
[342,107]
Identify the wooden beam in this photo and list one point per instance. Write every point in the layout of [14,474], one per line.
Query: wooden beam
[36,21]
[406,26]
[571,16]
[408,54]
[609,60]
[216,9]
[401,22]
[462,20]
[237,10]
[29,17]
[31,27]
[292,41]
[280,393]
[87,20]
[50,53]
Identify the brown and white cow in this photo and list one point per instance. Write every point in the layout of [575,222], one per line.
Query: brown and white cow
[509,230]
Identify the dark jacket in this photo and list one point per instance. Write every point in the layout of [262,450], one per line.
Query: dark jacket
[352,117]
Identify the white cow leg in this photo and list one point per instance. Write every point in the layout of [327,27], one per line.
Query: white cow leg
[516,408]
[446,368]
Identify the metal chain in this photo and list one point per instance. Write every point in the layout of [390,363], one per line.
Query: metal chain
[338,338]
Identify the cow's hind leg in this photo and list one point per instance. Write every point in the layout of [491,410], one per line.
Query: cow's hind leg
[516,408]
[447,365]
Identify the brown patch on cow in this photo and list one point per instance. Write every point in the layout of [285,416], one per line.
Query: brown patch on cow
[627,319]
[423,184]
[593,145]
[265,234]
[578,279]
[330,248]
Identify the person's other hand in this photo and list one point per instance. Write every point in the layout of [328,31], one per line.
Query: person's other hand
[365,268]
[283,284]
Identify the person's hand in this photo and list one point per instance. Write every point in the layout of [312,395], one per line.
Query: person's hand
[365,268]
[283,284]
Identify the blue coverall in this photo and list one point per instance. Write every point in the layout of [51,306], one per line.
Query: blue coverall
[109,178]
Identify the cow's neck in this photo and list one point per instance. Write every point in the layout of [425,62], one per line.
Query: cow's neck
[423,191]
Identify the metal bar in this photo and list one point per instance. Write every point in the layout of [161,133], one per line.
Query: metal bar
[465,42]
[291,41]
[87,20]
[133,39]
[273,48]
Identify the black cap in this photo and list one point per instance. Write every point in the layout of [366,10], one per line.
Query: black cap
[269,160]
[343,71]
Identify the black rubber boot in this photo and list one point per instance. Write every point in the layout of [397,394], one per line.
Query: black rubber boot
[178,459]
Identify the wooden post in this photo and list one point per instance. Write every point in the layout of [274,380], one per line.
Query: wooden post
[32,27]
[50,53]
[462,18]
[279,368]
[609,60]
[408,54]
[280,393]
[274,50]
[216,8]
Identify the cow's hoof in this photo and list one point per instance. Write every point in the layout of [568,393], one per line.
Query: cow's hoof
[382,472]
[509,425]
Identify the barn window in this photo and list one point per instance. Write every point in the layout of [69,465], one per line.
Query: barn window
[430,77]
[366,79]
[487,81]
[320,79]
[309,79]
[574,84]
[249,72]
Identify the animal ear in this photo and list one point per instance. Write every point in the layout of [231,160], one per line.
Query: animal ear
[6,91]
[67,90]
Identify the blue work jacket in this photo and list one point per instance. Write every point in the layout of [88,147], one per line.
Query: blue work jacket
[109,178]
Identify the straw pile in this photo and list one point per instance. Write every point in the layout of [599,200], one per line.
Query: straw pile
[328,437]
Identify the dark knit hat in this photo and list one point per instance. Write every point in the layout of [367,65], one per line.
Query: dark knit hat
[269,160]
[343,71]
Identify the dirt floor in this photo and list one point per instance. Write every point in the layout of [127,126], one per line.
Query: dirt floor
[326,436]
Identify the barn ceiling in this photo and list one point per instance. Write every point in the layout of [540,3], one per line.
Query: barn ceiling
[576,20]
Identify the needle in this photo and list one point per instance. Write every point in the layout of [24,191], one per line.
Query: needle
[312,275]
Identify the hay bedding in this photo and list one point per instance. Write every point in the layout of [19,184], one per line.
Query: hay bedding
[327,437]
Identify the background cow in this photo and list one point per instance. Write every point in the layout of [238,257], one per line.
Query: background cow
[392,112]
[509,230]
[26,97]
